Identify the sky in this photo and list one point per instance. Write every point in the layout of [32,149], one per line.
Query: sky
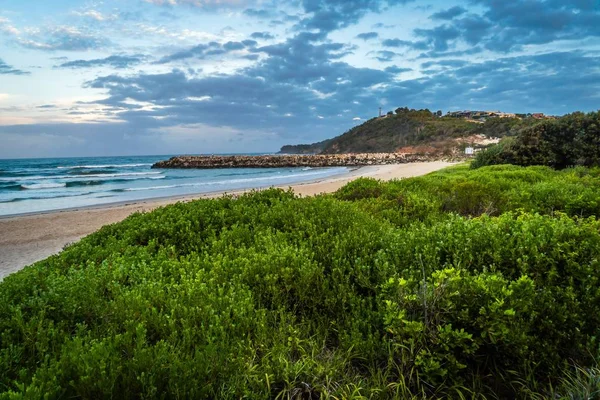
[133,77]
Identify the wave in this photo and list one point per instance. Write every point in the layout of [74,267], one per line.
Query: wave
[44,186]
[70,184]
[105,166]
[111,175]
[10,187]
[101,182]
[230,181]
[91,172]
[84,183]
[251,173]
[16,199]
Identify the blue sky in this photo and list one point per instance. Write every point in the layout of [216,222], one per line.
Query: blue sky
[82,78]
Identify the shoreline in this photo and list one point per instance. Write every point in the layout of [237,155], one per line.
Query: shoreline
[174,198]
[31,237]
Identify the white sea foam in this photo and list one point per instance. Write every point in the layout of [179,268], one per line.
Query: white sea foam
[44,186]
[229,181]
[104,166]
[46,177]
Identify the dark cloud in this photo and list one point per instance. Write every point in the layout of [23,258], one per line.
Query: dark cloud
[456,53]
[115,61]
[6,69]
[449,13]
[393,69]
[232,46]
[274,94]
[262,35]
[396,43]
[367,35]
[330,15]
[259,13]
[506,26]
[444,63]
[203,51]
[384,55]
[439,38]
[261,96]
[381,25]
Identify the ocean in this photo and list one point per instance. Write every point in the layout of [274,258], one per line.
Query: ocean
[36,185]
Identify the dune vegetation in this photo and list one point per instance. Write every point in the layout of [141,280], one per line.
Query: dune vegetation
[461,284]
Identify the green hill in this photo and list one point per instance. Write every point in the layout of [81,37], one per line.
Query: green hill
[413,131]
[314,148]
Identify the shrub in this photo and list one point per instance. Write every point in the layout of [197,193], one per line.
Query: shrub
[410,290]
[571,140]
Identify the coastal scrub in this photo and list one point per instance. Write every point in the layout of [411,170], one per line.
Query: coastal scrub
[457,284]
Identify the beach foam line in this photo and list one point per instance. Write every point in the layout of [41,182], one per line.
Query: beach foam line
[85,176]
[16,199]
[210,183]
[105,166]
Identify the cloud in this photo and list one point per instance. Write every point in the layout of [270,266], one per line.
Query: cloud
[367,35]
[393,69]
[381,25]
[204,51]
[259,13]
[272,94]
[396,43]
[331,15]
[384,55]
[66,38]
[115,61]
[6,69]
[96,15]
[262,35]
[439,37]
[509,26]
[7,27]
[449,13]
[198,3]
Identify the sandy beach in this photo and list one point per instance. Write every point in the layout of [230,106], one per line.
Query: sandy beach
[25,239]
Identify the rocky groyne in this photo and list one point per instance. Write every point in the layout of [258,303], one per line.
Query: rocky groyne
[279,161]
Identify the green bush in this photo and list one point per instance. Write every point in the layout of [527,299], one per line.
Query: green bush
[463,283]
[569,141]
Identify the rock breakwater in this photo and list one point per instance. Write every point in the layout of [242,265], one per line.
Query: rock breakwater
[281,161]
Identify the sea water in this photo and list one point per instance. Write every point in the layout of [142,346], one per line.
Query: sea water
[35,185]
